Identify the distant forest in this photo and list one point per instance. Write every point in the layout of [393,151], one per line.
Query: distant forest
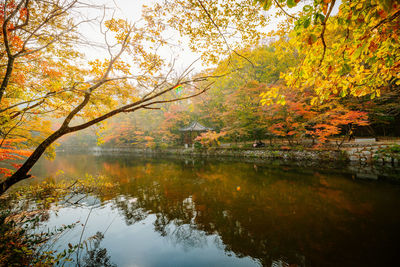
[234,108]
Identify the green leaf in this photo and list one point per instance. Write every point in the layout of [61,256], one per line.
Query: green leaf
[307,8]
[306,23]
[345,69]
[387,5]
[358,52]
[291,3]
[321,17]
[314,38]
[266,4]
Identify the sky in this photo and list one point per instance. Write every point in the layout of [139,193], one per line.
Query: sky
[131,11]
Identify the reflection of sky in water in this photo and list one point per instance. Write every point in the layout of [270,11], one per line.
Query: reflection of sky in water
[191,213]
[139,245]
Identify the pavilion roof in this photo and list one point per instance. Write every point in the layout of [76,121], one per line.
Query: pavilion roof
[195,127]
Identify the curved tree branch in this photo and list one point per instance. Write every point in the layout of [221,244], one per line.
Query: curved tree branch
[322,36]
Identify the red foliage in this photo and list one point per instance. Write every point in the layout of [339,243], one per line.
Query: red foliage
[9,153]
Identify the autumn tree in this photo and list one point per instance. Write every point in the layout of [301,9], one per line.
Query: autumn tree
[354,52]
[298,119]
[290,120]
[44,74]
[383,112]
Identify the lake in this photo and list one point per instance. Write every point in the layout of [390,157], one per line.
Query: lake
[213,212]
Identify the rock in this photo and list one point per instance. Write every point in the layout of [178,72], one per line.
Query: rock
[354,158]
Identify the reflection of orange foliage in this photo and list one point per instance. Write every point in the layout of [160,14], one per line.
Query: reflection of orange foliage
[337,198]
[210,176]
[323,181]
[148,168]
[114,169]
[148,138]
[201,207]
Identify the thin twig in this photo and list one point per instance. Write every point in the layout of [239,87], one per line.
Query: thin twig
[284,11]
[80,239]
[323,31]
[222,35]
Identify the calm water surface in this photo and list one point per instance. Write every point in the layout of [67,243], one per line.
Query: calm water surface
[220,213]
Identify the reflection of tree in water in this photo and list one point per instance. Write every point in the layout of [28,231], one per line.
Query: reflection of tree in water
[186,235]
[95,255]
[135,214]
[278,216]
[41,245]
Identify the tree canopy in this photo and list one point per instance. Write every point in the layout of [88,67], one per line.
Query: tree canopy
[355,51]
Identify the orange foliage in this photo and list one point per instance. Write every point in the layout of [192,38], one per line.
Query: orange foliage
[298,118]
[210,138]
[9,153]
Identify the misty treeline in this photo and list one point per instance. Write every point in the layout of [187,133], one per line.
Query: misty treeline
[234,107]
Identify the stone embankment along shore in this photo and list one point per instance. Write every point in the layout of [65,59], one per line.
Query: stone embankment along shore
[368,154]
[363,153]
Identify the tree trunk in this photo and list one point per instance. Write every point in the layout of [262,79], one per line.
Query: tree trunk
[7,76]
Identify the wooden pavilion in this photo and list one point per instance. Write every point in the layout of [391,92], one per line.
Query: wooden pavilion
[192,131]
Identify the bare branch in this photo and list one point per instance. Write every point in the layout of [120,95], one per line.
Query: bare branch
[36,99]
[222,35]
[19,26]
[323,31]
[167,101]
[284,11]
[6,20]
[388,19]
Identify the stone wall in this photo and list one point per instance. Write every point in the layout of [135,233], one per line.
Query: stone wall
[368,154]
[261,153]
[356,153]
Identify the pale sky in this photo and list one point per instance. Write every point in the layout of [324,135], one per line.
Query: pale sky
[131,11]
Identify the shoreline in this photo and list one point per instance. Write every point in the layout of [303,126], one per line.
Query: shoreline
[355,170]
[364,154]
